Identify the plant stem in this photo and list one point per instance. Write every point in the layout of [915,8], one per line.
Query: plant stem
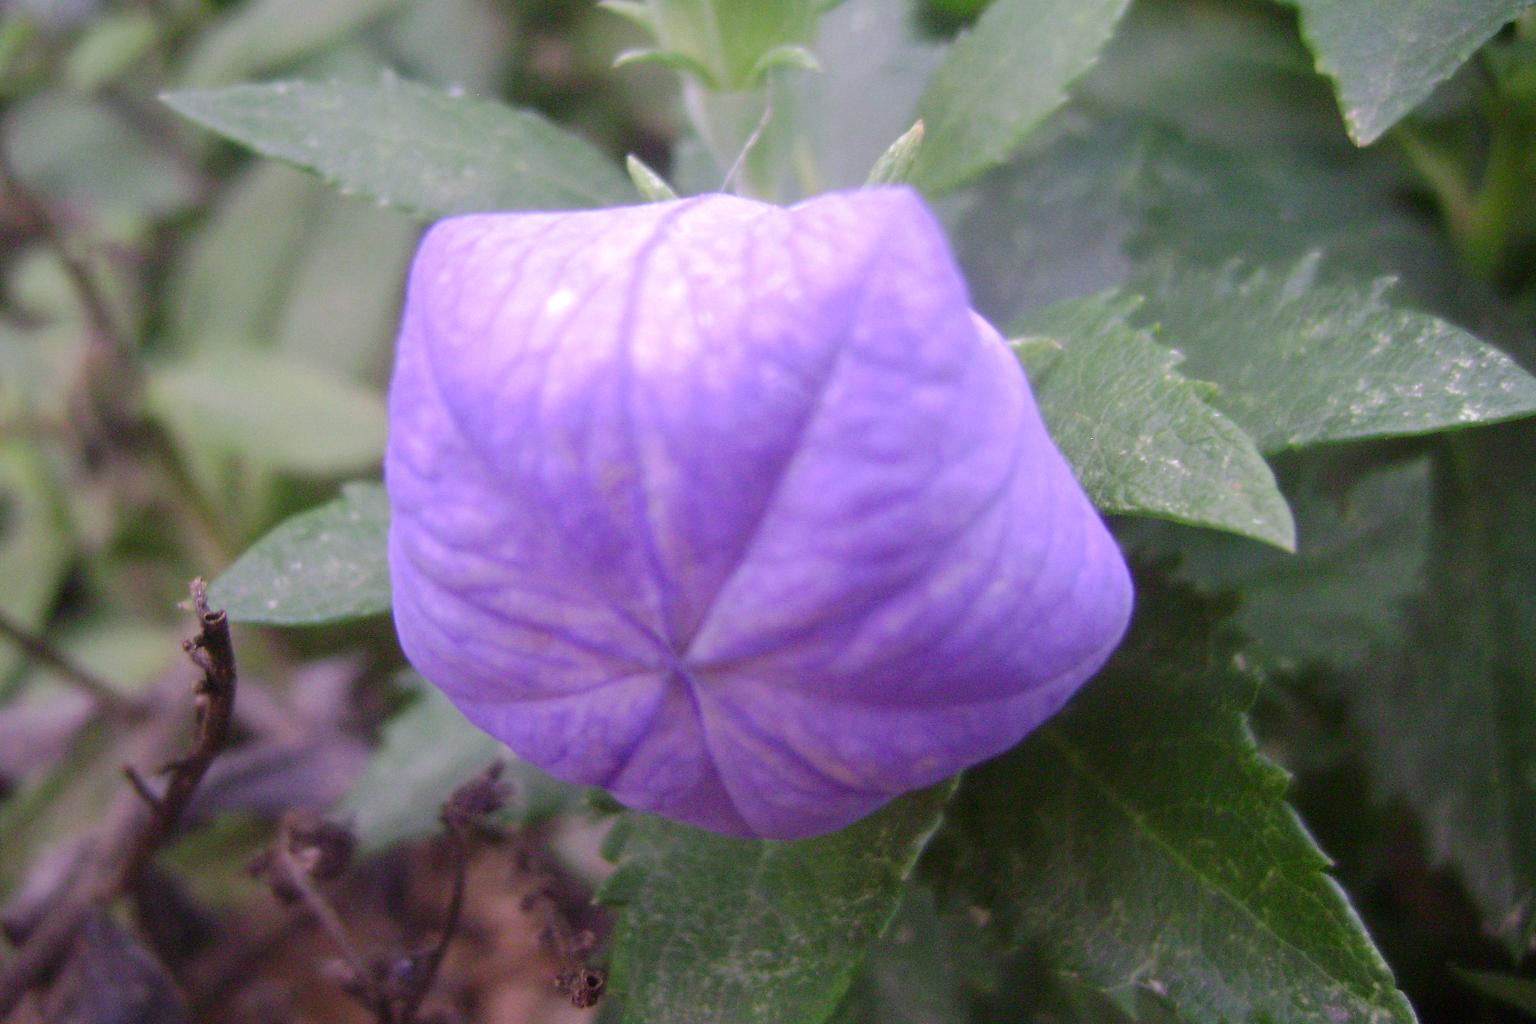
[121,858]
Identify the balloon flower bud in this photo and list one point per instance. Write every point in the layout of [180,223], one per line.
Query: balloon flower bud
[736,511]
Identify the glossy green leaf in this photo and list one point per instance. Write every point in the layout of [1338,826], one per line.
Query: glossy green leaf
[1386,58]
[270,409]
[329,564]
[1301,363]
[1454,723]
[426,152]
[427,751]
[1003,78]
[1142,438]
[1139,843]
[744,931]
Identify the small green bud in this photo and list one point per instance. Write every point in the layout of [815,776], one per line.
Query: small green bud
[895,164]
[653,188]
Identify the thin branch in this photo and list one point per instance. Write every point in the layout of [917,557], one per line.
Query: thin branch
[125,851]
[297,877]
[214,697]
[581,984]
[483,795]
[45,653]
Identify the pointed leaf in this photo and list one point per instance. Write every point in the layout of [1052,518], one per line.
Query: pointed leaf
[1140,843]
[1001,79]
[1302,363]
[426,152]
[325,565]
[1141,438]
[1386,58]
[744,931]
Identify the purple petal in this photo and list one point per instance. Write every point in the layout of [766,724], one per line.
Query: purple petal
[737,511]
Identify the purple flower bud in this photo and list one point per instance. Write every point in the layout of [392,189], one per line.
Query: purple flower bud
[736,511]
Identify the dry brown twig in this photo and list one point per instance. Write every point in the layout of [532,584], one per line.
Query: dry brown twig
[310,849]
[577,980]
[465,808]
[121,856]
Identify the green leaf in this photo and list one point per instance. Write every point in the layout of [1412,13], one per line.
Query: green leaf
[1141,438]
[1454,724]
[1232,73]
[427,751]
[1001,79]
[1301,363]
[1138,842]
[1386,58]
[1362,547]
[426,152]
[1201,136]
[742,931]
[269,408]
[329,564]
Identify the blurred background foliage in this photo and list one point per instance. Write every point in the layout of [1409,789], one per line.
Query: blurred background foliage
[194,345]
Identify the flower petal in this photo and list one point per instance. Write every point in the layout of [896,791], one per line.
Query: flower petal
[735,510]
